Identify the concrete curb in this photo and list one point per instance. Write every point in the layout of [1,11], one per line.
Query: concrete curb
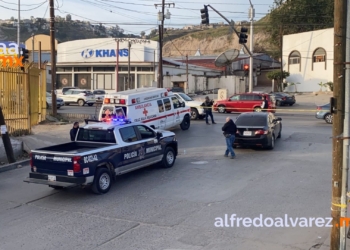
[14,165]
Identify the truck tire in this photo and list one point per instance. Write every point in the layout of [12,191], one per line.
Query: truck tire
[194,114]
[168,157]
[186,122]
[102,181]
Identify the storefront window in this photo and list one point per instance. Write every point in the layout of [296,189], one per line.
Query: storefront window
[123,82]
[104,81]
[144,80]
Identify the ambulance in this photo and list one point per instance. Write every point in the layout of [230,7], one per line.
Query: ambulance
[156,107]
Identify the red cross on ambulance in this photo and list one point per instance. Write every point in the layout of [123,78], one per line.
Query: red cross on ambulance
[145,112]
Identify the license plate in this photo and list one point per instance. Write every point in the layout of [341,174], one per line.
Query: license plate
[51,178]
[247,133]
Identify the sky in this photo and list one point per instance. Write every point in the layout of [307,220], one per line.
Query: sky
[135,16]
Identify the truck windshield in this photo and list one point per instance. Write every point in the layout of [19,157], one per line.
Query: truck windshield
[94,135]
[185,97]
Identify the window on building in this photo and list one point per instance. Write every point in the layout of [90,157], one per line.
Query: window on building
[104,81]
[319,55]
[144,80]
[82,69]
[109,69]
[149,69]
[294,57]
[64,69]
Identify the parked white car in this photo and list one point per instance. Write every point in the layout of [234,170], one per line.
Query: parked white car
[197,112]
[78,96]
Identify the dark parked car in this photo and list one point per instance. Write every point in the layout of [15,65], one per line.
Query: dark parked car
[324,112]
[176,89]
[283,99]
[257,129]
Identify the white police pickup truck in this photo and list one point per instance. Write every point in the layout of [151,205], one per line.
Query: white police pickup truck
[100,152]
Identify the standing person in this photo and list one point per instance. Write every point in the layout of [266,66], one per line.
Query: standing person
[207,104]
[264,104]
[229,129]
[74,130]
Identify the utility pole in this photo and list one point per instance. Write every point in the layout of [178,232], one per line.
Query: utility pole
[129,47]
[281,55]
[19,29]
[117,67]
[346,134]
[161,17]
[33,47]
[130,41]
[53,58]
[187,74]
[338,110]
[160,60]
[251,59]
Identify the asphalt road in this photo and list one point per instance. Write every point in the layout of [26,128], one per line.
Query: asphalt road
[176,208]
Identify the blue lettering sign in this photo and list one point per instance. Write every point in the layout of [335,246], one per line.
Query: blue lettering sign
[112,54]
[104,53]
[98,53]
[125,52]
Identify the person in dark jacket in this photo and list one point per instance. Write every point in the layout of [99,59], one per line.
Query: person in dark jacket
[264,104]
[229,129]
[74,130]
[207,104]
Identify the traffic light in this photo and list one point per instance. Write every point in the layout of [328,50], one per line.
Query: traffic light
[205,15]
[258,70]
[24,55]
[246,69]
[243,36]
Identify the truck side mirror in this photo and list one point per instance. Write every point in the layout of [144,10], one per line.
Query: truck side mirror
[159,135]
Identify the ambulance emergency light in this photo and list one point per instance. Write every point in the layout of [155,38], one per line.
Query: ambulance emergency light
[115,101]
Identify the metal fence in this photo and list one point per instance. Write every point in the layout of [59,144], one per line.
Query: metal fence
[22,98]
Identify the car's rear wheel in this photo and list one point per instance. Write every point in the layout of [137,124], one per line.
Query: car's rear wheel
[194,114]
[221,109]
[81,102]
[291,104]
[102,181]
[328,118]
[257,109]
[272,143]
[280,133]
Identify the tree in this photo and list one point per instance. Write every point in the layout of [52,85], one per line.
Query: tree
[289,17]
[143,33]
[276,75]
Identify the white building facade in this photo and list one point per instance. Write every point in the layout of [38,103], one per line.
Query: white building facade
[91,64]
[308,57]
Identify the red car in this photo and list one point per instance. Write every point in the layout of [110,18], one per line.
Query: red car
[245,102]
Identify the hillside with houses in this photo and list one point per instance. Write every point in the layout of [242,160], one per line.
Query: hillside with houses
[208,39]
